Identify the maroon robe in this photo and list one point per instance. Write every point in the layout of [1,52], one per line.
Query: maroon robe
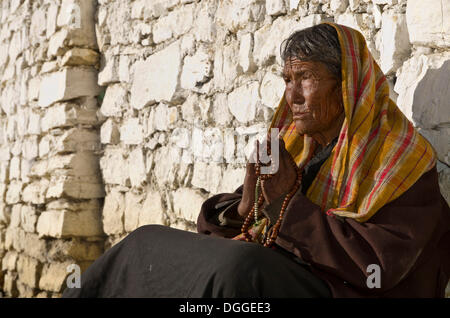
[409,239]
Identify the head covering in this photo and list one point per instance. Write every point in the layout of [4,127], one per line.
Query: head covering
[378,156]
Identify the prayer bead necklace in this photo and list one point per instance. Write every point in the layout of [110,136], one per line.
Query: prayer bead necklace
[259,199]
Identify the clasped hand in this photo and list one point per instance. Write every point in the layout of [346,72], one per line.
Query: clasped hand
[281,181]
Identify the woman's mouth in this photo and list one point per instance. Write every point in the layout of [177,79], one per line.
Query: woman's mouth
[297,116]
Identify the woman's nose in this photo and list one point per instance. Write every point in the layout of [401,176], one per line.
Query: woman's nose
[294,95]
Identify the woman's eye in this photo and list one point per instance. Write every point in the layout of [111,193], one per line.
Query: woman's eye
[286,79]
[307,75]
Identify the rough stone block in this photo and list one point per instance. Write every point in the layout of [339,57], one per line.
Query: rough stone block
[136,167]
[428,22]
[422,85]
[131,132]
[60,224]
[275,7]
[243,100]
[207,176]
[115,101]
[28,270]
[196,70]
[54,276]
[80,56]
[152,210]
[68,84]
[109,133]
[113,166]
[133,207]
[113,213]
[9,261]
[272,89]
[156,80]
[189,211]
[395,45]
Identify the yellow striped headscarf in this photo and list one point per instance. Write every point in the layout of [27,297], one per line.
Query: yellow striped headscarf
[378,156]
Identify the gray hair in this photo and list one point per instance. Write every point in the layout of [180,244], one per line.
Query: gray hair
[319,43]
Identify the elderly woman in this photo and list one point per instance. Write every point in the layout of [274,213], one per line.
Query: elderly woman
[353,210]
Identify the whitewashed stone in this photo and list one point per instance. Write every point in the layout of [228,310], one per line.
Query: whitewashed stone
[53,277]
[338,6]
[246,53]
[155,79]
[52,14]
[25,167]
[232,179]
[109,74]
[354,4]
[225,67]
[60,224]
[67,84]
[439,138]
[389,2]
[207,176]
[205,28]
[133,207]
[152,211]
[189,211]
[377,15]
[14,168]
[115,101]
[229,145]
[28,218]
[13,192]
[28,270]
[9,261]
[124,68]
[57,43]
[76,187]
[131,132]
[275,7]
[109,133]
[180,137]
[161,117]
[293,4]
[428,22]
[221,114]
[36,191]
[196,70]
[166,161]
[113,211]
[113,166]
[269,38]
[136,167]
[351,20]
[33,88]
[15,216]
[80,56]
[272,90]
[34,124]
[235,15]
[395,42]
[76,139]
[162,30]
[242,102]
[423,81]
[78,17]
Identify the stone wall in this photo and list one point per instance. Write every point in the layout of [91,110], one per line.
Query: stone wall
[50,182]
[184,88]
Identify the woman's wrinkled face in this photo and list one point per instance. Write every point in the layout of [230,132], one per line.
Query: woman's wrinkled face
[313,95]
